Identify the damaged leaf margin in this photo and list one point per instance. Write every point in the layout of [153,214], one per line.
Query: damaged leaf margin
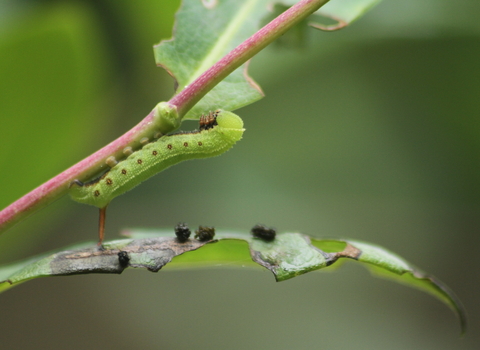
[287,256]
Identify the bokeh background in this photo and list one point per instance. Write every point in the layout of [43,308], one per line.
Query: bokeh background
[371,133]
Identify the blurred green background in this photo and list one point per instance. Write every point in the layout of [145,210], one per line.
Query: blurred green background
[370,133]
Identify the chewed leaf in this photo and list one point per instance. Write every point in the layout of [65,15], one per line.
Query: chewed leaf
[289,255]
[149,253]
[219,27]
[286,255]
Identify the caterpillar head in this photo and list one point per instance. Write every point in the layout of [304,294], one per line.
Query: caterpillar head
[229,120]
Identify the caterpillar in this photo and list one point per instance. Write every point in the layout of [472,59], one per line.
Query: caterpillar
[218,132]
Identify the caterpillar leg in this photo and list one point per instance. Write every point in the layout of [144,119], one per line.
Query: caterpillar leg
[101,226]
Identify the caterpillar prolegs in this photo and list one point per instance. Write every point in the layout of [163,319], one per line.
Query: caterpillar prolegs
[218,132]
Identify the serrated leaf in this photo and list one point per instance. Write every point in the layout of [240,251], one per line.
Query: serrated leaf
[287,256]
[205,31]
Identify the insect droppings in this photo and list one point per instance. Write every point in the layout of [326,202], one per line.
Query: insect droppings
[264,232]
[123,258]
[205,233]
[182,232]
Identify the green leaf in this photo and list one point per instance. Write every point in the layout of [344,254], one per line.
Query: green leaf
[287,256]
[205,31]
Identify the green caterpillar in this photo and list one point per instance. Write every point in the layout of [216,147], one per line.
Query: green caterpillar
[218,132]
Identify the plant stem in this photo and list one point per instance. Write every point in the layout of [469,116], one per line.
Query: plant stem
[56,187]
